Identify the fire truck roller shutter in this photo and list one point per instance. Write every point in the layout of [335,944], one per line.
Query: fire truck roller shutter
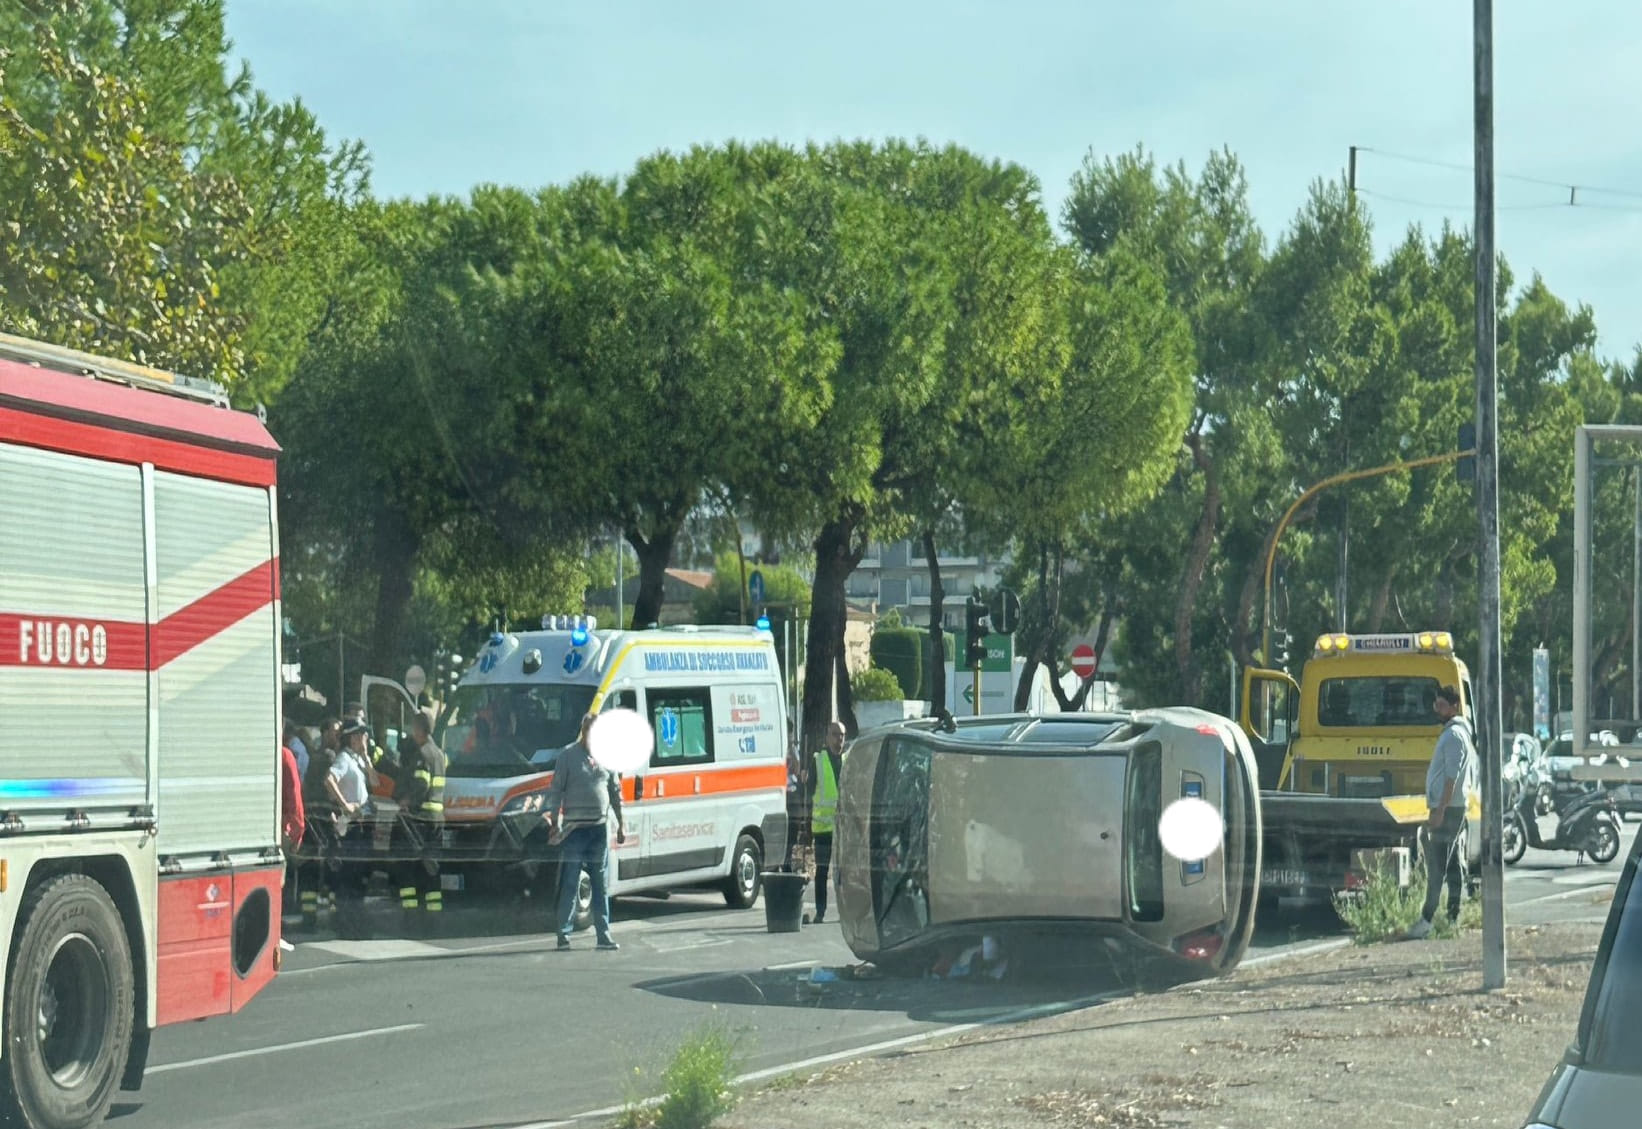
[73,682]
[214,651]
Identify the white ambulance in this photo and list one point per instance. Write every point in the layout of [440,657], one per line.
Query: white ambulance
[709,810]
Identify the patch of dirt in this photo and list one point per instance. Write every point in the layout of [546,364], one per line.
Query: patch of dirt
[1146,1106]
[1393,1036]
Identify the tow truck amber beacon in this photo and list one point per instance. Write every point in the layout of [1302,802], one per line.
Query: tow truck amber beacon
[139,683]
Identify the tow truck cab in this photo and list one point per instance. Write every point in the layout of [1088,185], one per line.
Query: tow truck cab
[1343,755]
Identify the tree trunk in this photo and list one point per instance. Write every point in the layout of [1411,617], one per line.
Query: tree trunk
[937,637]
[1342,565]
[1197,563]
[835,558]
[1074,703]
[1445,596]
[1382,602]
[846,697]
[1048,624]
[393,553]
[655,554]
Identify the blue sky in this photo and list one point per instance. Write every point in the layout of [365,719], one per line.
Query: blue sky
[450,94]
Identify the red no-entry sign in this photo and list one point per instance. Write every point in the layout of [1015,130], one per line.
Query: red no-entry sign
[1083,660]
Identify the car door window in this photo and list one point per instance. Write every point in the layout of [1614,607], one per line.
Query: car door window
[683,723]
[1612,1043]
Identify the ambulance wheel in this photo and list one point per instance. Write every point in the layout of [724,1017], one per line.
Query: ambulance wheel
[68,1007]
[584,903]
[741,888]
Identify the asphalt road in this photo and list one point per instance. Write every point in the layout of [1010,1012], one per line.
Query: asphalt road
[495,1029]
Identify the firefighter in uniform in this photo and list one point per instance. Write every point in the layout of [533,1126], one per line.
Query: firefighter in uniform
[420,790]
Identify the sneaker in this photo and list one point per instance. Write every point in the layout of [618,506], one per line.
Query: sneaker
[607,945]
[1419,931]
[564,942]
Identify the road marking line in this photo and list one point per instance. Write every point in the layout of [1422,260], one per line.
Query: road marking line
[1035,1012]
[1594,887]
[1284,954]
[385,949]
[277,1048]
[703,943]
[431,951]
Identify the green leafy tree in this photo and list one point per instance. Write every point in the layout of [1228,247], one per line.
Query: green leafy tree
[673,358]
[438,473]
[1163,564]
[164,210]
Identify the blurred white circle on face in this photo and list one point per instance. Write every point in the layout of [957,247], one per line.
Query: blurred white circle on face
[1191,829]
[621,741]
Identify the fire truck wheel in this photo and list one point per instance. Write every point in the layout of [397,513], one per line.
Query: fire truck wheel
[742,886]
[68,1006]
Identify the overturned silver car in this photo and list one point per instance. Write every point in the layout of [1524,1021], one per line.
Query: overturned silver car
[1037,826]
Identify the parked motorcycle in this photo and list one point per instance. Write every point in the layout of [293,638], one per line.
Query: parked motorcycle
[1587,822]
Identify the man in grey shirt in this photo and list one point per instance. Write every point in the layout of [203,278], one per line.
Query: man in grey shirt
[1445,796]
[577,808]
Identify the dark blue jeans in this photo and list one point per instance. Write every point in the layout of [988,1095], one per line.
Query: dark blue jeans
[1445,863]
[584,848]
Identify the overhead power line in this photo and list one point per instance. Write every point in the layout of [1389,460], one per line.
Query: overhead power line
[1575,191]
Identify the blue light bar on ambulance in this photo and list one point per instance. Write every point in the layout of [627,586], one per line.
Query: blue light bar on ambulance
[763,623]
[578,636]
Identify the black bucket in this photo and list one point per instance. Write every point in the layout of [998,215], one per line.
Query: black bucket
[783,901]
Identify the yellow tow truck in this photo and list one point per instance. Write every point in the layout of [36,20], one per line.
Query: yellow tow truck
[1343,755]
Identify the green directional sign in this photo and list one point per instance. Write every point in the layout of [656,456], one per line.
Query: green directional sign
[1000,653]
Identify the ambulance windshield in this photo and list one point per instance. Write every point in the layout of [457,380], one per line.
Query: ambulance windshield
[501,730]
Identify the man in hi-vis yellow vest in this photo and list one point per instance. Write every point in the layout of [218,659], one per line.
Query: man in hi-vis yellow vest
[829,763]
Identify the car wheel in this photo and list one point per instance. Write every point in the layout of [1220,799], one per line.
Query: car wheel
[742,886]
[1604,841]
[68,1006]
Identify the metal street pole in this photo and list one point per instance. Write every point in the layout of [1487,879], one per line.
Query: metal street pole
[1490,713]
[1636,605]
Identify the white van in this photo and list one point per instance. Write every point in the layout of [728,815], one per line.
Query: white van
[709,809]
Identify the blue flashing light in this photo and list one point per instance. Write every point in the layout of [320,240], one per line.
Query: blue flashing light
[495,638]
[578,637]
[763,623]
[68,789]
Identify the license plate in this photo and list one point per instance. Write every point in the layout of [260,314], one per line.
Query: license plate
[451,882]
[1284,878]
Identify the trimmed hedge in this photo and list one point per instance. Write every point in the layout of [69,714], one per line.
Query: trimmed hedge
[900,650]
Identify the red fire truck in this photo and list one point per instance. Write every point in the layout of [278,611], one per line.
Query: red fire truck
[139,720]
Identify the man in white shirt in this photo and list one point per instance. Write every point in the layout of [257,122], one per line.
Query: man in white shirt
[1451,771]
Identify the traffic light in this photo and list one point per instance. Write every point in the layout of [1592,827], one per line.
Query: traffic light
[976,624]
